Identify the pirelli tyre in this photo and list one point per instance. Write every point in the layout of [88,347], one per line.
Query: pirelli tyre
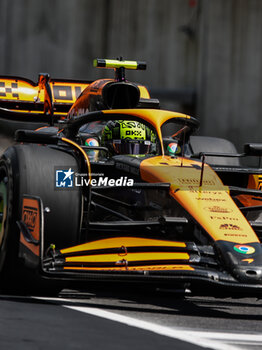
[30,170]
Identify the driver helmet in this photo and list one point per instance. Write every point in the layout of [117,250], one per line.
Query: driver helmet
[128,137]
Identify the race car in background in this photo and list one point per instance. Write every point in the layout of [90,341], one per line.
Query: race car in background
[150,203]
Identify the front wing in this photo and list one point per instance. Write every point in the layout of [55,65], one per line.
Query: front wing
[127,259]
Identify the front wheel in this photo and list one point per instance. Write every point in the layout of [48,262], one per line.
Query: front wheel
[30,170]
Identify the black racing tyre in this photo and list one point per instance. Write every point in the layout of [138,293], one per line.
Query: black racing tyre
[30,169]
[215,144]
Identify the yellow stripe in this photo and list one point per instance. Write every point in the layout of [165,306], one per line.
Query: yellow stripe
[118,242]
[134,268]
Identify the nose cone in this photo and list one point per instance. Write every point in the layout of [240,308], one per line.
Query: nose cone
[242,261]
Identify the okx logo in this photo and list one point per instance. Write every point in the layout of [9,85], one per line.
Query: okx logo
[64,178]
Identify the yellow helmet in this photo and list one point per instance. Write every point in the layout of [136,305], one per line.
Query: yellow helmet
[128,137]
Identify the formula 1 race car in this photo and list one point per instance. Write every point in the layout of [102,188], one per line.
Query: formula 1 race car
[112,188]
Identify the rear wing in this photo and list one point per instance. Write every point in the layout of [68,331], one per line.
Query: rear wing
[23,99]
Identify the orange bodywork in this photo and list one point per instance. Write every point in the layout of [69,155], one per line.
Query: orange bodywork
[211,204]
[254,183]
[249,200]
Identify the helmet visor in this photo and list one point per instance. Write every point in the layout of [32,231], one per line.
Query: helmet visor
[131,147]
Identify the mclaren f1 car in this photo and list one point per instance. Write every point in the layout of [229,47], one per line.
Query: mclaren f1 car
[109,187]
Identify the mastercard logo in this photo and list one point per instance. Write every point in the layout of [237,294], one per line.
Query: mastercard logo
[244,249]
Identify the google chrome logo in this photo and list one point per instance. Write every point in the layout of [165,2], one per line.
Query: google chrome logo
[173,148]
[244,249]
[91,142]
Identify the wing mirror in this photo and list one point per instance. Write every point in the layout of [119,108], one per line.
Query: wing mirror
[253,149]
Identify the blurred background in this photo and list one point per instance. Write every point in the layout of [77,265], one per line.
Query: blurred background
[204,57]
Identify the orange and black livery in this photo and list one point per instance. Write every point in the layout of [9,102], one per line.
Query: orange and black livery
[109,187]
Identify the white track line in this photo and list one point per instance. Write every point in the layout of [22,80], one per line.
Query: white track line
[238,337]
[186,336]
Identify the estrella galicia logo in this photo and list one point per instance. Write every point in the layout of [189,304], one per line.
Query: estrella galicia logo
[64,178]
